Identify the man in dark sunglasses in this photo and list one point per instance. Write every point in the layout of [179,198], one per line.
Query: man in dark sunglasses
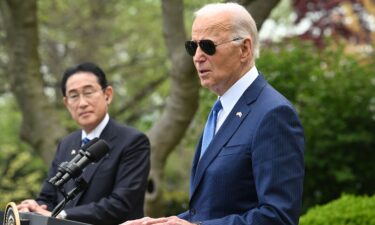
[249,166]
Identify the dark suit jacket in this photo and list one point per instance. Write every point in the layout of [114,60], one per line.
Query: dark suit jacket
[116,184]
[252,172]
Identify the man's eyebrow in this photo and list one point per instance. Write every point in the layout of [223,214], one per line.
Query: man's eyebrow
[83,88]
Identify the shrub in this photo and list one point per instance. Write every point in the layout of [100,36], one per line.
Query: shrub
[348,210]
[334,94]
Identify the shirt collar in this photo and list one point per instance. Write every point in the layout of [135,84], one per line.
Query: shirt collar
[233,94]
[98,129]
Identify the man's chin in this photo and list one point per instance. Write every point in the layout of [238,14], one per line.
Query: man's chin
[205,84]
[86,124]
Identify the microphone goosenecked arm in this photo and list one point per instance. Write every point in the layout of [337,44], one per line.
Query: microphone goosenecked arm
[81,185]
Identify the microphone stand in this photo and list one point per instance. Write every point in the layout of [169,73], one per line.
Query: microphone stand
[81,184]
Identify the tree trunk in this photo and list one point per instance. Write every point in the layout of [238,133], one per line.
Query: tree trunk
[260,10]
[181,106]
[40,126]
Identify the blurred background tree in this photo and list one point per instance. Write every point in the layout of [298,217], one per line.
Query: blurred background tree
[351,20]
[140,46]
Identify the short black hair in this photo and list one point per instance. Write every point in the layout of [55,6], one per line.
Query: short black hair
[84,67]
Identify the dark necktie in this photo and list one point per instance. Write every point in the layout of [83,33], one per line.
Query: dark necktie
[85,141]
[209,129]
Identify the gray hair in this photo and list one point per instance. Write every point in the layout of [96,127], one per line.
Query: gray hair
[243,23]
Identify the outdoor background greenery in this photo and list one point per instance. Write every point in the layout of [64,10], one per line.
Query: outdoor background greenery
[347,210]
[333,91]
[334,96]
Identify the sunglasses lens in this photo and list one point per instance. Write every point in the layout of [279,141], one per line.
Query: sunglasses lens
[207,47]
[191,47]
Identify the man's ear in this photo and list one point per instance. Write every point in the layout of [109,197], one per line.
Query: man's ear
[65,100]
[246,49]
[108,94]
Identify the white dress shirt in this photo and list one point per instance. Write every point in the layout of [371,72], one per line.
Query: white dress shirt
[233,94]
[98,129]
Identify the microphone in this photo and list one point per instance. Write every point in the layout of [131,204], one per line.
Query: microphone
[95,150]
[61,170]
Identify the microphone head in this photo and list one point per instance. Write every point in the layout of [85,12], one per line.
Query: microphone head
[91,142]
[97,150]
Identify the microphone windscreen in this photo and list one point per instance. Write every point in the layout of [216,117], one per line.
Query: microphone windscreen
[97,150]
[91,142]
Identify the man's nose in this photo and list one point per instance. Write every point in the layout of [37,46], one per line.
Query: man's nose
[82,100]
[199,55]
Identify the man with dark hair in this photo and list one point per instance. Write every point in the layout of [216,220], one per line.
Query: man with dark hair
[116,183]
[248,168]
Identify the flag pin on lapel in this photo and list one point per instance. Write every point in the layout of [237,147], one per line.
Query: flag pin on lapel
[73,152]
[239,114]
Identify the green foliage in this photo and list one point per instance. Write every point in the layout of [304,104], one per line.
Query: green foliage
[334,95]
[348,210]
[124,37]
[21,173]
[175,202]
[9,119]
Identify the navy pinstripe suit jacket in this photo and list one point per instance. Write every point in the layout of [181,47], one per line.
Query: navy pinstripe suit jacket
[253,170]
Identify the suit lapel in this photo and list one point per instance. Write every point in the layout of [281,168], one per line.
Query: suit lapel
[71,152]
[232,122]
[238,114]
[108,135]
[195,164]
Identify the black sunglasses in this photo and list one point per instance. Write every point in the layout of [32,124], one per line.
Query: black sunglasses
[207,46]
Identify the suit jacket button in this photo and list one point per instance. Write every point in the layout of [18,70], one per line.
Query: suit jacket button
[192,211]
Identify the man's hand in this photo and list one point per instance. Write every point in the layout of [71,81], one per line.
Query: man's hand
[30,205]
[172,220]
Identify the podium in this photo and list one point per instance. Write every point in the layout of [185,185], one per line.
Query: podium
[36,219]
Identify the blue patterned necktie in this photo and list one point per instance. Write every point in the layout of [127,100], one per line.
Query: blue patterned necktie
[85,141]
[209,129]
